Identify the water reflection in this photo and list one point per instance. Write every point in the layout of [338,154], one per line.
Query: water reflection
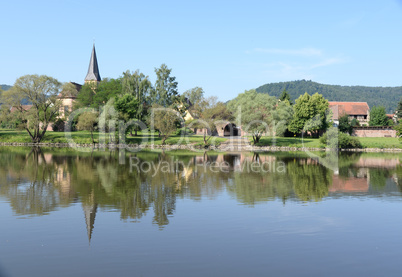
[38,181]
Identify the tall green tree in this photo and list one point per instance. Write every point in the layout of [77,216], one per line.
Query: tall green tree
[165,91]
[378,116]
[285,96]
[127,106]
[345,125]
[310,114]
[42,92]
[164,120]
[398,129]
[399,109]
[85,97]
[260,114]
[195,95]
[139,87]
[97,96]
[88,122]
[106,89]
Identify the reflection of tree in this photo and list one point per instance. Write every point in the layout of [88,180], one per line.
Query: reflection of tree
[39,181]
[311,181]
[346,160]
[29,183]
[261,178]
[251,188]
[378,177]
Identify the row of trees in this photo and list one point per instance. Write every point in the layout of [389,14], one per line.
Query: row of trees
[131,99]
[134,100]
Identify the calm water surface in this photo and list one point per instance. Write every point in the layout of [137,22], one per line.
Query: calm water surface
[65,213]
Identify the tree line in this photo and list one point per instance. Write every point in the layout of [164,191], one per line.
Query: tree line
[132,102]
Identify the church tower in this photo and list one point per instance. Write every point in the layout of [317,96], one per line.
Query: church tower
[93,75]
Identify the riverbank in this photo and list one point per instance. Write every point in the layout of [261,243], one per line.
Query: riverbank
[191,142]
[195,148]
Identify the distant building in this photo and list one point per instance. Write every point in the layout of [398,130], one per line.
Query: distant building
[357,110]
[67,100]
[93,77]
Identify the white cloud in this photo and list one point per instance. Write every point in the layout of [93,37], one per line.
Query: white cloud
[294,64]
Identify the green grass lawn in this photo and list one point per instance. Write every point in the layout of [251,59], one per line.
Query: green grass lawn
[290,142]
[381,142]
[85,137]
[149,138]
[315,143]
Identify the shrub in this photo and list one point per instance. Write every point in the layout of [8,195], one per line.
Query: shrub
[345,141]
[58,126]
[184,132]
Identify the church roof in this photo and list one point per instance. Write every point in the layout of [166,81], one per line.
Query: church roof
[93,70]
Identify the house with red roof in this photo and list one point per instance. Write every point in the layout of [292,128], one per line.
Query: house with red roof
[357,110]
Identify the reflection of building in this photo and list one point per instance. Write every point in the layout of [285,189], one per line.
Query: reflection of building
[389,163]
[360,180]
[349,184]
[90,214]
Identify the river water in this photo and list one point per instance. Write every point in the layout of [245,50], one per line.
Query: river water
[104,213]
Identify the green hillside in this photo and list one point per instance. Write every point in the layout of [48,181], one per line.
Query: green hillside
[5,87]
[374,96]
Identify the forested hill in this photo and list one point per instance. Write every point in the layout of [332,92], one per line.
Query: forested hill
[5,87]
[374,96]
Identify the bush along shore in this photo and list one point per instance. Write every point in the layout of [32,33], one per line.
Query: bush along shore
[225,147]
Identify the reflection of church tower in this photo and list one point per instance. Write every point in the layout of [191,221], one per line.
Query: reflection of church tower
[90,213]
[93,75]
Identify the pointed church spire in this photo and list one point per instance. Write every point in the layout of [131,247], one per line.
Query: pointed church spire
[93,70]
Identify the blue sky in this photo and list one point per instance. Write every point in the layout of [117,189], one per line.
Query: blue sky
[225,47]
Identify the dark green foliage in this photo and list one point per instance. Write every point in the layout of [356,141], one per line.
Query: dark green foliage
[354,122]
[399,109]
[58,126]
[345,141]
[106,89]
[378,117]
[398,129]
[184,132]
[127,106]
[285,96]
[89,96]
[310,114]
[85,97]
[344,125]
[374,96]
